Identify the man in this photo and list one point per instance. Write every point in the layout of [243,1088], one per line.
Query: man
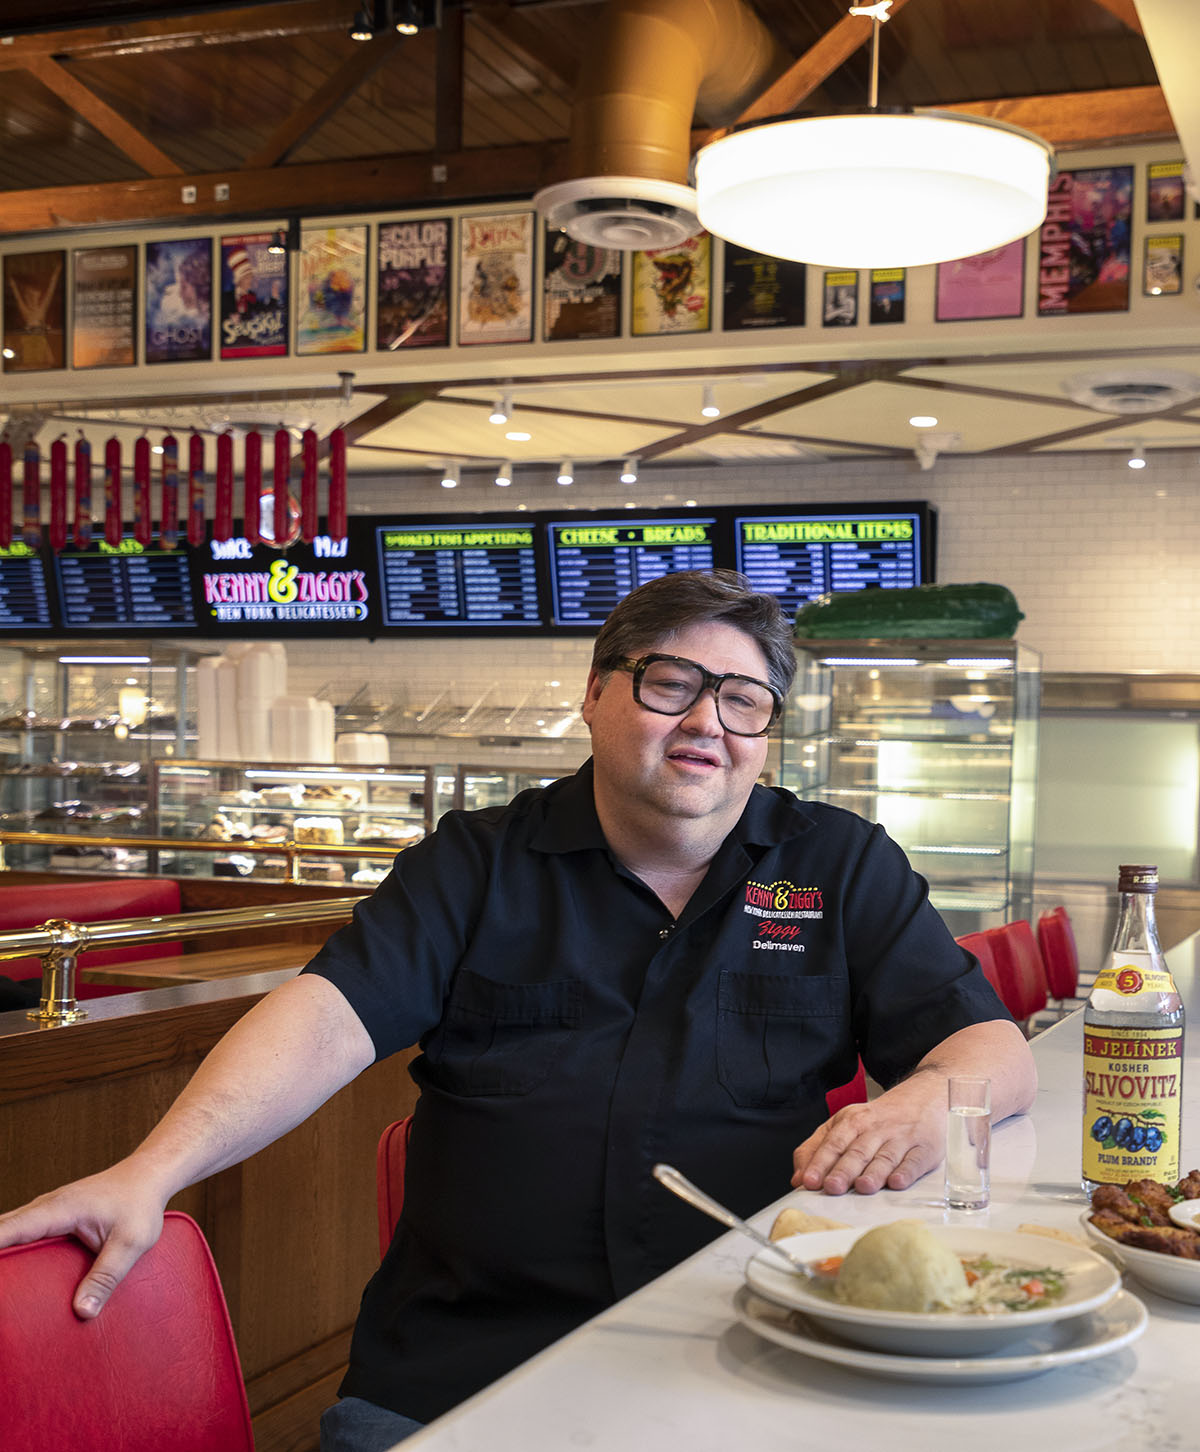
[654,959]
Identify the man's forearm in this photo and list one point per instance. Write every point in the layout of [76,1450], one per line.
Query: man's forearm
[997,1051]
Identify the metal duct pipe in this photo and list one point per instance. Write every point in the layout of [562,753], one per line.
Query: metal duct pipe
[658,63]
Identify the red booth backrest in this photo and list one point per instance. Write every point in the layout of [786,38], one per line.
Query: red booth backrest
[88,900]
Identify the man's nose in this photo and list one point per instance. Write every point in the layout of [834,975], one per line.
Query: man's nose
[702,716]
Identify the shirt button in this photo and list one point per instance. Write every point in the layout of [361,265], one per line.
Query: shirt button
[664,933]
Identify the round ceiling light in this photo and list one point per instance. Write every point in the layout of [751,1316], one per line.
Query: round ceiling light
[874,188]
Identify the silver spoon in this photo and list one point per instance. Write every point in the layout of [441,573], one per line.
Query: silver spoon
[680,1185]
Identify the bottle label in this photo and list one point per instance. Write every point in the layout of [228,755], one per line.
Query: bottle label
[1134,974]
[1132,1079]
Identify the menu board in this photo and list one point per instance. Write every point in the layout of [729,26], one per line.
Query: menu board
[24,596]
[797,557]
[123,588]
[457,573]
[322,587]
[596,562]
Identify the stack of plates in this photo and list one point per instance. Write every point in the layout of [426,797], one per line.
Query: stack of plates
[1092,1318]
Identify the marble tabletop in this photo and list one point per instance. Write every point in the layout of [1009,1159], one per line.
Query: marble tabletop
[671,1368]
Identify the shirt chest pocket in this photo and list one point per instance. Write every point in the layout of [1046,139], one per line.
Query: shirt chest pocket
[775,1033]
[503,1038]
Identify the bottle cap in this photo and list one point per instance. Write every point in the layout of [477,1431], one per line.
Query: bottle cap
[1137,879]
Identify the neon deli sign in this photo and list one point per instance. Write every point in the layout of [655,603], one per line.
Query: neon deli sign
[286,592]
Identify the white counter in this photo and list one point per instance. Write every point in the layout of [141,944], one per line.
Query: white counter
[670,1370]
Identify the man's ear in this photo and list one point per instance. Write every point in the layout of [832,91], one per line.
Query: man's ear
[591,695]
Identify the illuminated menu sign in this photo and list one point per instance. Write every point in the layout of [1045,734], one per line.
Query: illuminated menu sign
[24,596]
[458,574]
[798,557]
[124,587]
[594,563]
[261,589]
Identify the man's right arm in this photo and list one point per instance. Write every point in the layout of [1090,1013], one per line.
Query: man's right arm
[275,1067]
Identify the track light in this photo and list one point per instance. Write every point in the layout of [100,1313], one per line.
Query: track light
[566,473]
[347,380]
[1137,458]
[278,243]
[629,472]
[363,27]
[407,20]
[504,474]
[450,475]
[710,408]
[501,409]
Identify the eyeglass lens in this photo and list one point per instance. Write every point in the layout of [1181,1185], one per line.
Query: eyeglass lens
[671,687]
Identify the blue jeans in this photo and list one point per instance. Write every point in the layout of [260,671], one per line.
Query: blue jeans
[354,1425]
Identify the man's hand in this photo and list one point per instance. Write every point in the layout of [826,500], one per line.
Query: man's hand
[113,1213]
[892,1140]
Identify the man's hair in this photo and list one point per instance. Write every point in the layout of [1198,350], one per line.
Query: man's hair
[649,616]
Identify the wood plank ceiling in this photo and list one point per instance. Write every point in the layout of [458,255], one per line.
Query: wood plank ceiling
[110,109]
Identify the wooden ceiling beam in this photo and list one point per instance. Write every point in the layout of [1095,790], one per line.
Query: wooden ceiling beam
[1125,11]
[506,26]
[101,116]
[1084,118]
[295,129]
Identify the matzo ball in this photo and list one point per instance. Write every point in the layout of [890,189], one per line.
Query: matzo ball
[901,1267]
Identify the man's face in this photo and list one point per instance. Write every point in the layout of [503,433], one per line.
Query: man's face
[685,766]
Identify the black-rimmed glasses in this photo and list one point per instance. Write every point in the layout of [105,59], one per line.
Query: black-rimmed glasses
[670,685]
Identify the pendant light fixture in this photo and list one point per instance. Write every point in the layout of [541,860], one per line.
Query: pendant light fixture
[876,188]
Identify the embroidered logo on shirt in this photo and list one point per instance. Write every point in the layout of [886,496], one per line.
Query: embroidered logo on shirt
[783,900]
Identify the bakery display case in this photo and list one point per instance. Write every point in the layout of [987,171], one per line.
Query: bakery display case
[937,741]
[259,803]
[495,786]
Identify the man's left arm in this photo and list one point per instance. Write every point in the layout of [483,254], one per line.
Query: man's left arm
[896,1138]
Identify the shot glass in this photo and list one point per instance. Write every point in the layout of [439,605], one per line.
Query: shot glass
[968,1142]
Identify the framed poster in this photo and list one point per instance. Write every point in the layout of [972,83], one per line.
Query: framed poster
[179,300]
[761,291]
[254,297]
[839,300]
[495,280]
[887,295]
[986,286]
[35,310]
[104,307]
[331,291]
[414,284]
[1083,265]
[581,289]
[1165,199]
[672,288]
[1162,266]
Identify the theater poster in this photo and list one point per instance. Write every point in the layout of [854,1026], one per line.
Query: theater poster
[414,284]
[254,297]
[581,289]
[104,307]
[982,287]
[839,300]
[35,307]
[1083,263]
[887,295]
[761,291]
[1165,193]
[1162,266]
[672,288]
[495,283]
[179,300]
[331,291]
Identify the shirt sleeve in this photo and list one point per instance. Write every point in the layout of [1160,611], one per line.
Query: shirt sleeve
[912,984]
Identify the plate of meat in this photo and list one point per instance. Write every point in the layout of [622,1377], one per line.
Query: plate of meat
[1135,1222]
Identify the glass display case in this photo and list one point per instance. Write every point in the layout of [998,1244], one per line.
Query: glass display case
[495,786]
[937,741]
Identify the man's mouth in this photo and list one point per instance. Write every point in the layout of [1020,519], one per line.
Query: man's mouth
[694,758]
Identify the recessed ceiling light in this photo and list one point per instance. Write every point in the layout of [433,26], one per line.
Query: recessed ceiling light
[517,436]
[923,421]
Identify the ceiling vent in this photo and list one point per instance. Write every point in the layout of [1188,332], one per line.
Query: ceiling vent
[1124,392]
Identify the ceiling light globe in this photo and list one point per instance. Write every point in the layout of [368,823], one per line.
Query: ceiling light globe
[874,189]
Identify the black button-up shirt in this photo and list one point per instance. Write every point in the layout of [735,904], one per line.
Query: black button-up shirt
[573,1034]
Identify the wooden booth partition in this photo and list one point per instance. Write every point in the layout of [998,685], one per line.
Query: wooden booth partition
[293,1229]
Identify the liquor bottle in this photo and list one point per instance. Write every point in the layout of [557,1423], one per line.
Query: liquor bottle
[1132,1051]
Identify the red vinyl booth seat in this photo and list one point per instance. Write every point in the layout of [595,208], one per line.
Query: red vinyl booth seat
[88,900]
[156,1371]
[980,945]
[1056,938]
[389,1178]
[1019,965]
[855,1092]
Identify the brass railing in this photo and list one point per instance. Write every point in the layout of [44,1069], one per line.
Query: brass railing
[59,942]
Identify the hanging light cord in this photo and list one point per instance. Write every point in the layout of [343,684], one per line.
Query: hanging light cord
[878,13]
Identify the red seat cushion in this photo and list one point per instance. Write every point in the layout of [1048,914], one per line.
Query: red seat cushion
[87,900]
[156,1371]
[390,1159]
[1019,965]
[1056,938]
[979,944]
[855,1092]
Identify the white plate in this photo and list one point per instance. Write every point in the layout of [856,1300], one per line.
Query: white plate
[1169,1275]
[1061,1343]
[1090,1281]
[1186,1214]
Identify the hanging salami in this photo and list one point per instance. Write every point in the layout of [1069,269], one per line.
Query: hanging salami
[141,491]
[83,493]
[310,520]
[195,490]
[280,521]
[252,481]
[223,514]
[337,484]
[58,494]
[113,522]
[6,494]
[31,531]
[168,522]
